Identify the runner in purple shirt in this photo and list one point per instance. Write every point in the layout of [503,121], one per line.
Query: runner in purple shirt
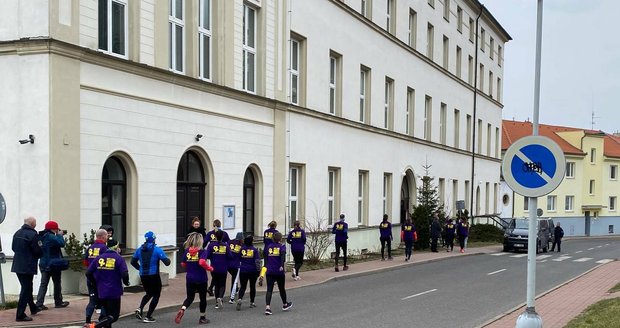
[297,239]
[268,234]
[385,236]
[210,237]
[109,273]
[219,255]
[248,271]
[341,230]
[195,263]
[233,263]
[97,248]
[275,260]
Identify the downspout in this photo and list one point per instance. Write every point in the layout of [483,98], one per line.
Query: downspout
[473,138]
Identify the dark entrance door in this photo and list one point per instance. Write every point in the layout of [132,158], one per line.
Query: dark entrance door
[587,227]
[190,198]
[404,200]
[249,195]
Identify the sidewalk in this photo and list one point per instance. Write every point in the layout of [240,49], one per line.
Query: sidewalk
[572,300]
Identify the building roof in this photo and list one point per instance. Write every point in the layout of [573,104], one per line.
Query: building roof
[514,130]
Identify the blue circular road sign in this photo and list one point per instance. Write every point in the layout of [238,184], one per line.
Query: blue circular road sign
[533,166]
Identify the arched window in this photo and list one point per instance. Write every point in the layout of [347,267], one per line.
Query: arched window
[249,202]
[114,198]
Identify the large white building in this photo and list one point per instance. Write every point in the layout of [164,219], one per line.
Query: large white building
[147,113]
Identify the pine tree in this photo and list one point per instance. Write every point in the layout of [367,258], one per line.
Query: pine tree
[428,203]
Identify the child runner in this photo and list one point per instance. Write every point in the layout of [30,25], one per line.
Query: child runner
[146,261]
[233,264]
[408,235]
[195,263]
[385,237]
[275,260]
[297,239]
[210,237]
[219,254]
[96,249]
[341,230]
[109,272]
[462,231]
[450,230]
[268,234]
[249,269]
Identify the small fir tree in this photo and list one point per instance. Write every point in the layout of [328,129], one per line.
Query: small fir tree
[428,203]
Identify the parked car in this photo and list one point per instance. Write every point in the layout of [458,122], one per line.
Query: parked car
[516,234]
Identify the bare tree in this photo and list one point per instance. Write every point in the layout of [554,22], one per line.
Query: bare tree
[318,236]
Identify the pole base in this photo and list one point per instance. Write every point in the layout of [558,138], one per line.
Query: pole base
[529,319]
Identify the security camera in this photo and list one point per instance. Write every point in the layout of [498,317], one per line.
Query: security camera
[29,140]
[198,136]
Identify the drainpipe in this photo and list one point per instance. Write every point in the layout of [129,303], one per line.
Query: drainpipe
[475,120]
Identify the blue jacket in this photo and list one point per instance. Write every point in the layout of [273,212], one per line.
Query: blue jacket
[52,243]
[27,249]
[146,259]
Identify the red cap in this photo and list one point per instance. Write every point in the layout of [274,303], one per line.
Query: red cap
[51,225]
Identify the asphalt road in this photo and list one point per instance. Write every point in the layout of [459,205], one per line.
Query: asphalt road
[457,292]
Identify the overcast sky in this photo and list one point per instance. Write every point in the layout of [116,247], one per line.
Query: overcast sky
[580,61]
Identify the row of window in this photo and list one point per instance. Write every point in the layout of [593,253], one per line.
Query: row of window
[297,194]
[570,172]
[569,203]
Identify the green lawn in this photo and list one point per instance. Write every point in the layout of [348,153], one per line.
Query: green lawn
[8,305]
[603,314]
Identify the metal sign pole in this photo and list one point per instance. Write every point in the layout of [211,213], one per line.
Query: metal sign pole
[529,318]
[2,260]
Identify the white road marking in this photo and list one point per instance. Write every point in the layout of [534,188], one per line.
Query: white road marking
[499,254]
[494,272]
[543,261]
[519,255]
[583,259]
[577,252]
[603,261]
[590,248]
[599,246]
[418,294]
[562,258]
[607,244]
[542,257]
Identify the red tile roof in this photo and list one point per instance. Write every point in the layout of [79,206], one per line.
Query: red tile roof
[514,130]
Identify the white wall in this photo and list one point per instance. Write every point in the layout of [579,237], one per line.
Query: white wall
[17,17]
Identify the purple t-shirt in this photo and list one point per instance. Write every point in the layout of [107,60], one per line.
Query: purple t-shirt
[249,255]
[211,237]
[408,232]
[268,236]
[195,273]
[274,254]
[96,249]
[108,269]
[219,254]
[297,239]
[385,229]
[450,229]
[341,229]
[463,229]
[235,252]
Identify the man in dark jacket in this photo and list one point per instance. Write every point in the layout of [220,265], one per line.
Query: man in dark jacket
[435,232]
[27,249]
[53,240]
[558,233]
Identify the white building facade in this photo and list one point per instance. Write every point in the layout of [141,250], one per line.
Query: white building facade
[148,113]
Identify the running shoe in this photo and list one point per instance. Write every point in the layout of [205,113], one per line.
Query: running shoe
[210,291]
[239,304]
[268,312]
[252,305]
[287,306]
[231,301]
[179,316]
[148,319]
[203,321]
[138,314]
[345,268]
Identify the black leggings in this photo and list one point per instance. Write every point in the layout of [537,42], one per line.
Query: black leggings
[112,309]
[450,242]
[462,241]
[385,241]
[219,280]
[343,246]
[244,278]
[152,287]
[298,257]
[408,248]
[191,289]
[271,280]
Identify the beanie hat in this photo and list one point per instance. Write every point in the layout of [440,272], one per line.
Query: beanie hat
[150,236]
[112,244]
[51,225]
[239,236]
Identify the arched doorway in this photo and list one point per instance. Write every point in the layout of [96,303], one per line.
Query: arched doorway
[190,197]
[249,202]
[407,195]
[114,198]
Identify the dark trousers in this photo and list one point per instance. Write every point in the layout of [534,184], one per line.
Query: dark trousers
[112,309]
[434,244]
[219,281]
[386,241]
[191,290]
[298,258]
[244,279]
[462,241]
[408,248]
[233,276]
[556,242]
[341,245]
[25,295]
[152,287]
[45,279]
[93,300]
[271,281]
[450,242]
